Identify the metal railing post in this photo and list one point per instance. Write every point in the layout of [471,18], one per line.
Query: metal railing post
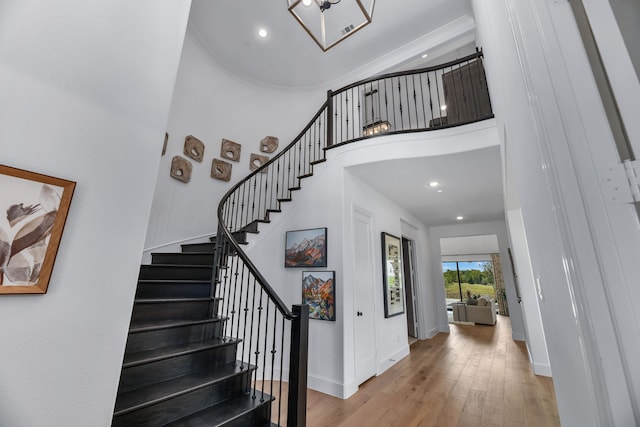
[329,118]
[297,406]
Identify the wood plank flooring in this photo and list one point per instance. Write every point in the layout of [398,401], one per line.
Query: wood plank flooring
[473,376]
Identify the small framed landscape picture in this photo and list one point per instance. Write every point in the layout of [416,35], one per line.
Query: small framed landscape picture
[33,211]
[306,248]
[318,290]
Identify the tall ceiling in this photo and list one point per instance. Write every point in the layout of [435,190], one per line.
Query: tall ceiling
[402,30]
[401,33]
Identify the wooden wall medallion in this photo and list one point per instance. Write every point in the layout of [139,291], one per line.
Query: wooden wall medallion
[194,148]
[230,150]
[221,170]
[269,144]
[258,160]
[181,169]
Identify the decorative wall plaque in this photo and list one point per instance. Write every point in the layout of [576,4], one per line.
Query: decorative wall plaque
[230,150]
[221,170]
[268,144]
[194,148]
[164,146]
[258,160]
[181,169]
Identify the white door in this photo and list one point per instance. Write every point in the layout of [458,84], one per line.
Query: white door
[364,288]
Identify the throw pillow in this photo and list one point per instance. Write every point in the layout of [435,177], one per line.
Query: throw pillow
[482,301]
[472,301]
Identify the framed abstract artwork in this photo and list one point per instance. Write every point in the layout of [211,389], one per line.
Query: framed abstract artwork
[33,211]
[319,291]
[392,275]
[306,248]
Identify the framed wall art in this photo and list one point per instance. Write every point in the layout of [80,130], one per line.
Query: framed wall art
[306,248]
[319,291]
[33,211]
[392,275]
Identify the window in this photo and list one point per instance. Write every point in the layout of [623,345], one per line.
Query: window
[464,278]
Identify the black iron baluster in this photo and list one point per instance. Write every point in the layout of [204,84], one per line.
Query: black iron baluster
[400,107]
[257,345]
[281,369]
[438,97]
[424,111]
[329,121]
[415,100]
[274,351]
[244,326]
[264,350]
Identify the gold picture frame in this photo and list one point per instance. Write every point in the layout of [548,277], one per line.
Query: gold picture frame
[33,212]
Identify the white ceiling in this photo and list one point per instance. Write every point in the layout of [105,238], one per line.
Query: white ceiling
[471,184]
[401,31]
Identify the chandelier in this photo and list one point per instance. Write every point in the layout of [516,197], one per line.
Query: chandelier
[330,22]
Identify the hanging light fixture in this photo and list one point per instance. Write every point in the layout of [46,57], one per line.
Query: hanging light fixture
[330,22]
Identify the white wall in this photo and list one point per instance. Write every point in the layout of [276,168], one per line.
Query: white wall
[558,141]
[536,343]
[86,88]
[211,104]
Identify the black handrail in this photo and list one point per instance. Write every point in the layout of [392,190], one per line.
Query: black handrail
[430,98]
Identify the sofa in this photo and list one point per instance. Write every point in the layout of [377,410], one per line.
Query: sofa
[484,314]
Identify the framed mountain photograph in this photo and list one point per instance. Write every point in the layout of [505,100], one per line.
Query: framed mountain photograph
[306,248]
[319,291]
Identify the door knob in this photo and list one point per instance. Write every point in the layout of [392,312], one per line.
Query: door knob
[359,313]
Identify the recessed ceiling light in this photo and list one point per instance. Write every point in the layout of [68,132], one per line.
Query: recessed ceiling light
[443,107]
[434,184]
[459,218]
[306,2]
[262,33]
[424,55]
[439,191]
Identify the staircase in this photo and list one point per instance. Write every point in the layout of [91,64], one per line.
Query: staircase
[179,369]
[208,335]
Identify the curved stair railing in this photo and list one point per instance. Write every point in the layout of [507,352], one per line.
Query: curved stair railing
[273,337]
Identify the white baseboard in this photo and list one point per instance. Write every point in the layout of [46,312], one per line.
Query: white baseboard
[432,333]
[173,246]
[326,385]
[518,337]
[392,359]
[542,369]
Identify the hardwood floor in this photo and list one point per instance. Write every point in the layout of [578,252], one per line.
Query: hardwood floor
[474,376]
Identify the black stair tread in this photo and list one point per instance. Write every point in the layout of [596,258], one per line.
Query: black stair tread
[274,210]
[198,247]
[148,356]
[295,188]
[184,253]
[167,324]
[183,258]
[307,175]
[159,392]
[223,412]
[176,281]
[178,265]
[170,300]
[315,162]
[284,200]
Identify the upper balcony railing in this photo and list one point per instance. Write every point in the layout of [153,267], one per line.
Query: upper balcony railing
[448,95]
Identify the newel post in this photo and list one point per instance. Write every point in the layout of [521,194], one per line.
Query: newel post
[329,118]
[299,354]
